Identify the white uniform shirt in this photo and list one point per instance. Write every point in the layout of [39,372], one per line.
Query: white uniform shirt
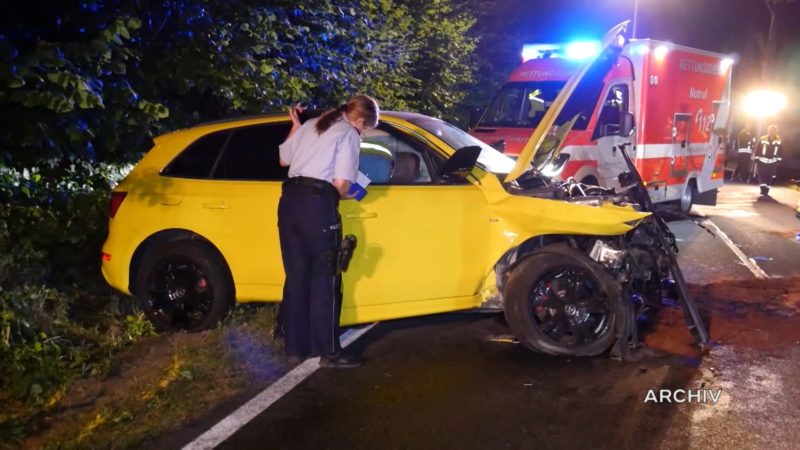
[332,154]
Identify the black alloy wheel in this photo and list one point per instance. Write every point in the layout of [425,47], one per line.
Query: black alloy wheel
[183,286]
[569,308]
[560,302]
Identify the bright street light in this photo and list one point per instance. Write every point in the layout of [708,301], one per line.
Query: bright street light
[762,104]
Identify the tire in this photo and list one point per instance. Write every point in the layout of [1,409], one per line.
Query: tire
[560,302]
[590,180]
[687,198]
[184,285]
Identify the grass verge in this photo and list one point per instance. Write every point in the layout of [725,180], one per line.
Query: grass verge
[163,382]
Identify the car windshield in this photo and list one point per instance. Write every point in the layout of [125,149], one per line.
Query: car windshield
[521,104]
[489,159]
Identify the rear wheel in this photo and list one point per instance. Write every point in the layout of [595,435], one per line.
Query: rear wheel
[687,197]
[560,302]
[184,285]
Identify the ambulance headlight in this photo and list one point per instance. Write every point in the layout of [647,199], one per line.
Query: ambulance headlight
[556,166]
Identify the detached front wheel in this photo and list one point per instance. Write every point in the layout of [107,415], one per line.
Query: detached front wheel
[184,285]
[560,302]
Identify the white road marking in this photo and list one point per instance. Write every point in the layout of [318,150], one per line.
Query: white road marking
[737,204]
[728,209]
[247,412]
[750,263]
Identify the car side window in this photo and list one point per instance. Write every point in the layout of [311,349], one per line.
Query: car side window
[389,157]
[252,154]
[198,158]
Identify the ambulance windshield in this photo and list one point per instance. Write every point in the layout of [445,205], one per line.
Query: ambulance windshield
[521,104]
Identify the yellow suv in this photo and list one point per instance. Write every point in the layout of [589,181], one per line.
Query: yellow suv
[447,224]
[193,227]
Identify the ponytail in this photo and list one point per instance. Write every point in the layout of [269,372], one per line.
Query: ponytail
[329,117]
[361,106]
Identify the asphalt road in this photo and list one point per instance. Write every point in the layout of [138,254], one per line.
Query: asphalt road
[443,382]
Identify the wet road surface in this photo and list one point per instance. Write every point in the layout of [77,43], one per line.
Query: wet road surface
[442,382]
[439,382]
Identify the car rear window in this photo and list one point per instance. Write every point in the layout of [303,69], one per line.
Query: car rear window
[197,160]
[252,154]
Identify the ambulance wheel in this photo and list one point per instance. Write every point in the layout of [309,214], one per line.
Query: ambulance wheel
[184,286]
[560,302]
[687,198]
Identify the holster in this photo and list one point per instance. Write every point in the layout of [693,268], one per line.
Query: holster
[346,249]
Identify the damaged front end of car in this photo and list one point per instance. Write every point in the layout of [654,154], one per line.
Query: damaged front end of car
[580,294]
[601,257]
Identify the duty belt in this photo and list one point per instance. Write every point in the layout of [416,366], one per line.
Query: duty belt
[321,185]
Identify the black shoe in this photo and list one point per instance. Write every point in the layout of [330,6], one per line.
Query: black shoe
[340,361]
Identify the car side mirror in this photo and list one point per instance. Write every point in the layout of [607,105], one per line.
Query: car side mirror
[474,116]
[461,163]
[626,124]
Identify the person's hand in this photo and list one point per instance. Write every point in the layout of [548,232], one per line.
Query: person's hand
[294,113]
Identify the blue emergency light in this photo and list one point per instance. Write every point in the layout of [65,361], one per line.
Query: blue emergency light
[583,50]
[574,50]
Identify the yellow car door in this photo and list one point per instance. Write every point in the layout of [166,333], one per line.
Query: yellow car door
[419,239]
[250,178]
[231,183]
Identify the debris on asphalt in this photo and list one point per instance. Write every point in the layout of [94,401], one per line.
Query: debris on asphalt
[504,338]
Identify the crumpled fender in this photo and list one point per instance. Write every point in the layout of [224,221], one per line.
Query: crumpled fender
[526,217]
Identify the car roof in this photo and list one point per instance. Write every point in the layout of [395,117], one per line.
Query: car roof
[240,118]
[233,122]
[405,115]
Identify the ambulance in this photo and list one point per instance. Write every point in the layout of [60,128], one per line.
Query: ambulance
[678,98]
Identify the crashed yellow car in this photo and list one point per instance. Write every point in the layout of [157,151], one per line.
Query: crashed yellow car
[448,224]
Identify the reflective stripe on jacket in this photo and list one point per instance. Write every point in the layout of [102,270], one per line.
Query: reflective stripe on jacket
[768,150]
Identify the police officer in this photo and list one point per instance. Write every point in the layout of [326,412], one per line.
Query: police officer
[322,155]
[745,143]
[767,156]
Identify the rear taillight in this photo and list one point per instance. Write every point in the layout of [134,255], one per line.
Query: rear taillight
[116,201]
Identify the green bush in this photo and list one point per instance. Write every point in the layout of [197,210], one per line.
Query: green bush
[85,86]
[58,318]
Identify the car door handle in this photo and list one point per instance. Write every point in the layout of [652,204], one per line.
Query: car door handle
[215,205]
[170,200]
[363,215]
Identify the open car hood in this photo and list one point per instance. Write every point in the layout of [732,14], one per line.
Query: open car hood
[549,137]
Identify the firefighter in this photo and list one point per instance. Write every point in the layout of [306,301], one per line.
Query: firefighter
[745,143]
[767,155]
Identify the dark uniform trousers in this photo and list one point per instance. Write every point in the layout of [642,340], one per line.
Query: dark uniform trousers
[310,231]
